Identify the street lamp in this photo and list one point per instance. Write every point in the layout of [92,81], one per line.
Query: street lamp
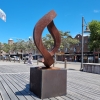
[31,41]
[30,44]
[87,30]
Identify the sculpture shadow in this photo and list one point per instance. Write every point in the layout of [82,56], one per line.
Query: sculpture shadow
[71,69]
[26,91]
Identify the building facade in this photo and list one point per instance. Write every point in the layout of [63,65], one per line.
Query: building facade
[10,41]
[77,48]
[74,53]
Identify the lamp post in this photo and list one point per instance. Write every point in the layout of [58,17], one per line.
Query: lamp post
[31,41]
[87,30]
[30,45]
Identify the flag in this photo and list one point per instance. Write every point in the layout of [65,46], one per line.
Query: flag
[2,15]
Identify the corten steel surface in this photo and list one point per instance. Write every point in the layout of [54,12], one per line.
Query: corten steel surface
[47,83]
[46,20]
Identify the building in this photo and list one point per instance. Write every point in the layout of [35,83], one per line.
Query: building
[77,48]
[10,41]
[74,52]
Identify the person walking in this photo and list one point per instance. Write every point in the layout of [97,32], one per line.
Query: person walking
[30,58]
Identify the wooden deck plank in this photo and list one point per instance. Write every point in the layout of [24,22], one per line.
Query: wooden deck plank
[86,80]
[79,95]
[25,75]
[9,91]
[66,98]
[72,97]
[88,77]
[13,88]
[52,98]
[80,85]
[24,86]
[21,78]
[89,88]
[1,97]
[85,93]
[19,88]
[59,98]
[23,81]
[3,92]
[79,92]
[86,86]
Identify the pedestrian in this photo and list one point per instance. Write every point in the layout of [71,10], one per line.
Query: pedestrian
[30,58]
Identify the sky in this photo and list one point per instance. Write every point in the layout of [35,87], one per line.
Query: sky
[22,16]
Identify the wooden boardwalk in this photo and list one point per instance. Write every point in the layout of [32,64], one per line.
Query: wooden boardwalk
[14,84]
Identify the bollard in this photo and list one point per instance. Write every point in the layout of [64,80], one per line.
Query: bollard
[6,59]
[54,62]
[19,59]
[3,58]
[24,59]
[14,59]
[37,60]
[55,58]
[65,62]
[9,59]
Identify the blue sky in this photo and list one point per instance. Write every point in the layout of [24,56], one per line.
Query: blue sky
[22,15]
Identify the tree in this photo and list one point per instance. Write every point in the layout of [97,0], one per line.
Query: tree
[21,44]
[94,42]
[48,41]
[31,46]
[66,41]
[1,46]
[6,47]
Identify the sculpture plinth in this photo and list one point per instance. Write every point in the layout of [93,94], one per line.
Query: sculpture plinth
[47,82]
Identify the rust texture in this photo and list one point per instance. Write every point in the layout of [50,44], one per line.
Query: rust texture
[46,21]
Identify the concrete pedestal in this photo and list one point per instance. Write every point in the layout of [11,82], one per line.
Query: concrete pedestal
[46,83]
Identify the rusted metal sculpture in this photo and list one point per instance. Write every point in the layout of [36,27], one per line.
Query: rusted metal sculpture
[43,78]
[46,20]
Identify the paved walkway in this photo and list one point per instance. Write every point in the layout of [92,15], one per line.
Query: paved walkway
[14,82]
[60,64]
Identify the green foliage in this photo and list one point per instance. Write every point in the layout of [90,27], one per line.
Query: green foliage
[48,41]
[18,46]
[94,42]
[0,46]
[6,47]
[66,41]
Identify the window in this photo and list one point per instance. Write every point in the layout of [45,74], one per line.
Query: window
[74,49]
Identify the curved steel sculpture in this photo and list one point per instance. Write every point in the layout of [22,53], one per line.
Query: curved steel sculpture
[46,20]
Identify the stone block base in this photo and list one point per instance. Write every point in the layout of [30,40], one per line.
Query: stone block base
[46,83]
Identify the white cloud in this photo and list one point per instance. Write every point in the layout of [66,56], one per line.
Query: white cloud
[96,11]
